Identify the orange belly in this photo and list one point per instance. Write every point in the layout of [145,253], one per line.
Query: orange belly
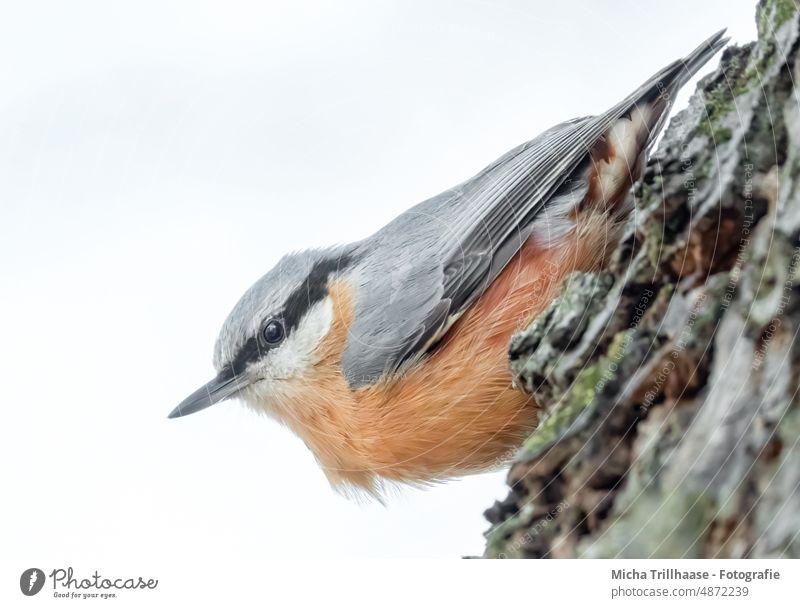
[457,411]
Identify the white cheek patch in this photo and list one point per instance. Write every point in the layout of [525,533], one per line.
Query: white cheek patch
[298,352]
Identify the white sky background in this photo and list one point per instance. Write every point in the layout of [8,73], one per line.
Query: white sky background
[157,158]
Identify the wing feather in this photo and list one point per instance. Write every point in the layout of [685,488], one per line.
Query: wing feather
[430,264]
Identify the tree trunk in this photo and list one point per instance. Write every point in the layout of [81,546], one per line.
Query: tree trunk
[670,380]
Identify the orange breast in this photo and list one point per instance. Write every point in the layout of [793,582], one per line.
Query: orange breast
[455,411]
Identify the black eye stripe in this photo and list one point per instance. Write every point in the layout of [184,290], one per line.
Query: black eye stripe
[312,290]
[250,351]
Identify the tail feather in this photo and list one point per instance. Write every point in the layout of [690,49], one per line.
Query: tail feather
[700,56]
[666,82]
[665,85]
[619,156]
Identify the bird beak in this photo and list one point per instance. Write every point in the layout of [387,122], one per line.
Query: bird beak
[220,388]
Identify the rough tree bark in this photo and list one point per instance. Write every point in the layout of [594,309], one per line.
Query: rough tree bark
[671,379]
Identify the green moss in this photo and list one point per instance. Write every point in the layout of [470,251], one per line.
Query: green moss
[758,64]
[619,345]
[744,71]
[719,103]
[581,394]
[565,412]
[665,292]
[719,100]
[499,539]
[709,125]
[774,13]
[784,10]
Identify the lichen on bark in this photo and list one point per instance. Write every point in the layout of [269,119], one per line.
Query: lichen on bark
[670,380]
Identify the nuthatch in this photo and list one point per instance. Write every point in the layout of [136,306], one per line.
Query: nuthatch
[388,356]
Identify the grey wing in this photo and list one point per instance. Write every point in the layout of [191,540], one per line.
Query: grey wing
[422,270]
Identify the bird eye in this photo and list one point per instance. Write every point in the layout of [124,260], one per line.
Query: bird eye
[273,332]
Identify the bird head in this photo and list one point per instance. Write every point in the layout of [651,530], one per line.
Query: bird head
[271,338]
